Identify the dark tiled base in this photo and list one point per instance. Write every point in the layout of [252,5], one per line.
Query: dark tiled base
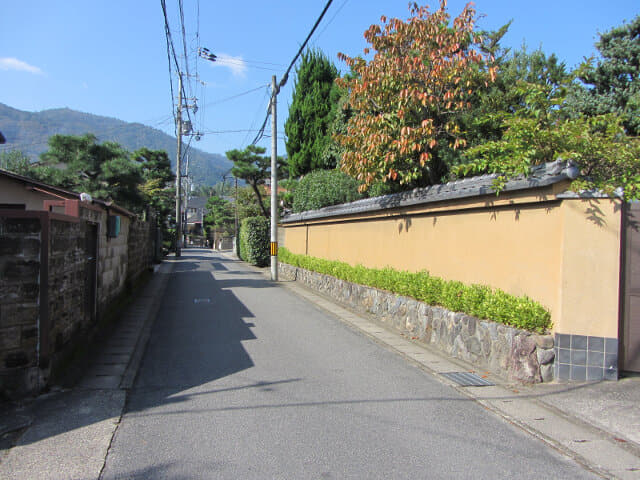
[582,358]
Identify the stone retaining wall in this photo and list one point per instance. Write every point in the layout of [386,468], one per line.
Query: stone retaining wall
[20,240]
[509,352]
[140,247]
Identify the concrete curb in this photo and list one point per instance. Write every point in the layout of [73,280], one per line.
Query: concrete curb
[157,291]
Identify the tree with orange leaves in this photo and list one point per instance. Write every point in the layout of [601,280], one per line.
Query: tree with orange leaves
[407,100]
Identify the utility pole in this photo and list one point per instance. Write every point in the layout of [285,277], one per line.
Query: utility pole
[179,171]
[274,182]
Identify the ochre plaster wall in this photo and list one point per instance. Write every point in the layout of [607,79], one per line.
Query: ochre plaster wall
[555,251]
[590,282]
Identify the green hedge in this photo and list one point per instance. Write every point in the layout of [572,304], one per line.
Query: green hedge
[254,241]
[477,300]
[323,188]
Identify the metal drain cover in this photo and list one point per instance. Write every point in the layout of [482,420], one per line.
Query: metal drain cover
[467,379]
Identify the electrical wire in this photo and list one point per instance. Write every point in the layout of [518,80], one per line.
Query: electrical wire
[331,20]
[284,79]
[257,114]
[170,49]
[236,96]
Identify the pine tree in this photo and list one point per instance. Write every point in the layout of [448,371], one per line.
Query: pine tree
[612,84]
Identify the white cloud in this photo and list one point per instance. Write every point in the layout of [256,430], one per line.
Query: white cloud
[8,63]
[236,64]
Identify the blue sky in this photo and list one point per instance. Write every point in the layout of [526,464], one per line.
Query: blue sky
[109,57]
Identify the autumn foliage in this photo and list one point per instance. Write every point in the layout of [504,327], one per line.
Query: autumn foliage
[407,99]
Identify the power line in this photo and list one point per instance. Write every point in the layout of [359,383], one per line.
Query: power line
[332,19]
[236,96]
[283,80]
[255,117]
[170,49]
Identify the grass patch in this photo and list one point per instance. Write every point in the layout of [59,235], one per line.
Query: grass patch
[477,300]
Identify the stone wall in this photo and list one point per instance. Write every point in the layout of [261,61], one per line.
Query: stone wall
[509,352]
[20,240]
[47,303]
[113,256]
[141,248]
[68,319]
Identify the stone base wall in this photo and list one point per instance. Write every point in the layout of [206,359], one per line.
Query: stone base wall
[47,301]
[20,240]
[141,248]
[506,351]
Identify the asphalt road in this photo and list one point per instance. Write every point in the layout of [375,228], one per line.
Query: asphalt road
[243,379]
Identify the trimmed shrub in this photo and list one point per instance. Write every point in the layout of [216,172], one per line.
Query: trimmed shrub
[254,241]
[323,188]
[477,300]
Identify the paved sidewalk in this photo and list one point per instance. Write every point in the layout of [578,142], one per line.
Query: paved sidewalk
[67,434]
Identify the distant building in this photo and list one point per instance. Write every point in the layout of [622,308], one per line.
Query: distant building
[195,219]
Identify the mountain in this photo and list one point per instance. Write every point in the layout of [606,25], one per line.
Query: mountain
[29,132]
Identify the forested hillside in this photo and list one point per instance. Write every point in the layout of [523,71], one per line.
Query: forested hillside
[29,132]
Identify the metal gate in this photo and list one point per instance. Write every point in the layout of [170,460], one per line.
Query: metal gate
[630,329]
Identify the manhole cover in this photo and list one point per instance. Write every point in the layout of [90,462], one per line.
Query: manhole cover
[201,300]
[467,379]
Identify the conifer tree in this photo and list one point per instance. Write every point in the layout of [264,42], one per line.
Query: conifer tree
[307,127]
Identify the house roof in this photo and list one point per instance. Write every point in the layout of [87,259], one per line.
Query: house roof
[61,192]
[541,176]
[197,202]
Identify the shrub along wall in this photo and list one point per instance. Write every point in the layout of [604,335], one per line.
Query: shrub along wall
[507,351]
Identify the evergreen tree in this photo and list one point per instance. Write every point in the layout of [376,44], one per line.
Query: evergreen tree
[251,166]
[220,214]
[307,127]
[103,170]
[612,84]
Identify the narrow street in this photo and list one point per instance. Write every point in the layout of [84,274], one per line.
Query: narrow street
[241,378]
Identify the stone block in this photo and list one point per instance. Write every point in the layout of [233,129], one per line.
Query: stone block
[473,346]
[18,314]
[523,362]
[545,356]
[546,372]
[544,341]
[16,360]
[19,225]
[10,338]
[22,270]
